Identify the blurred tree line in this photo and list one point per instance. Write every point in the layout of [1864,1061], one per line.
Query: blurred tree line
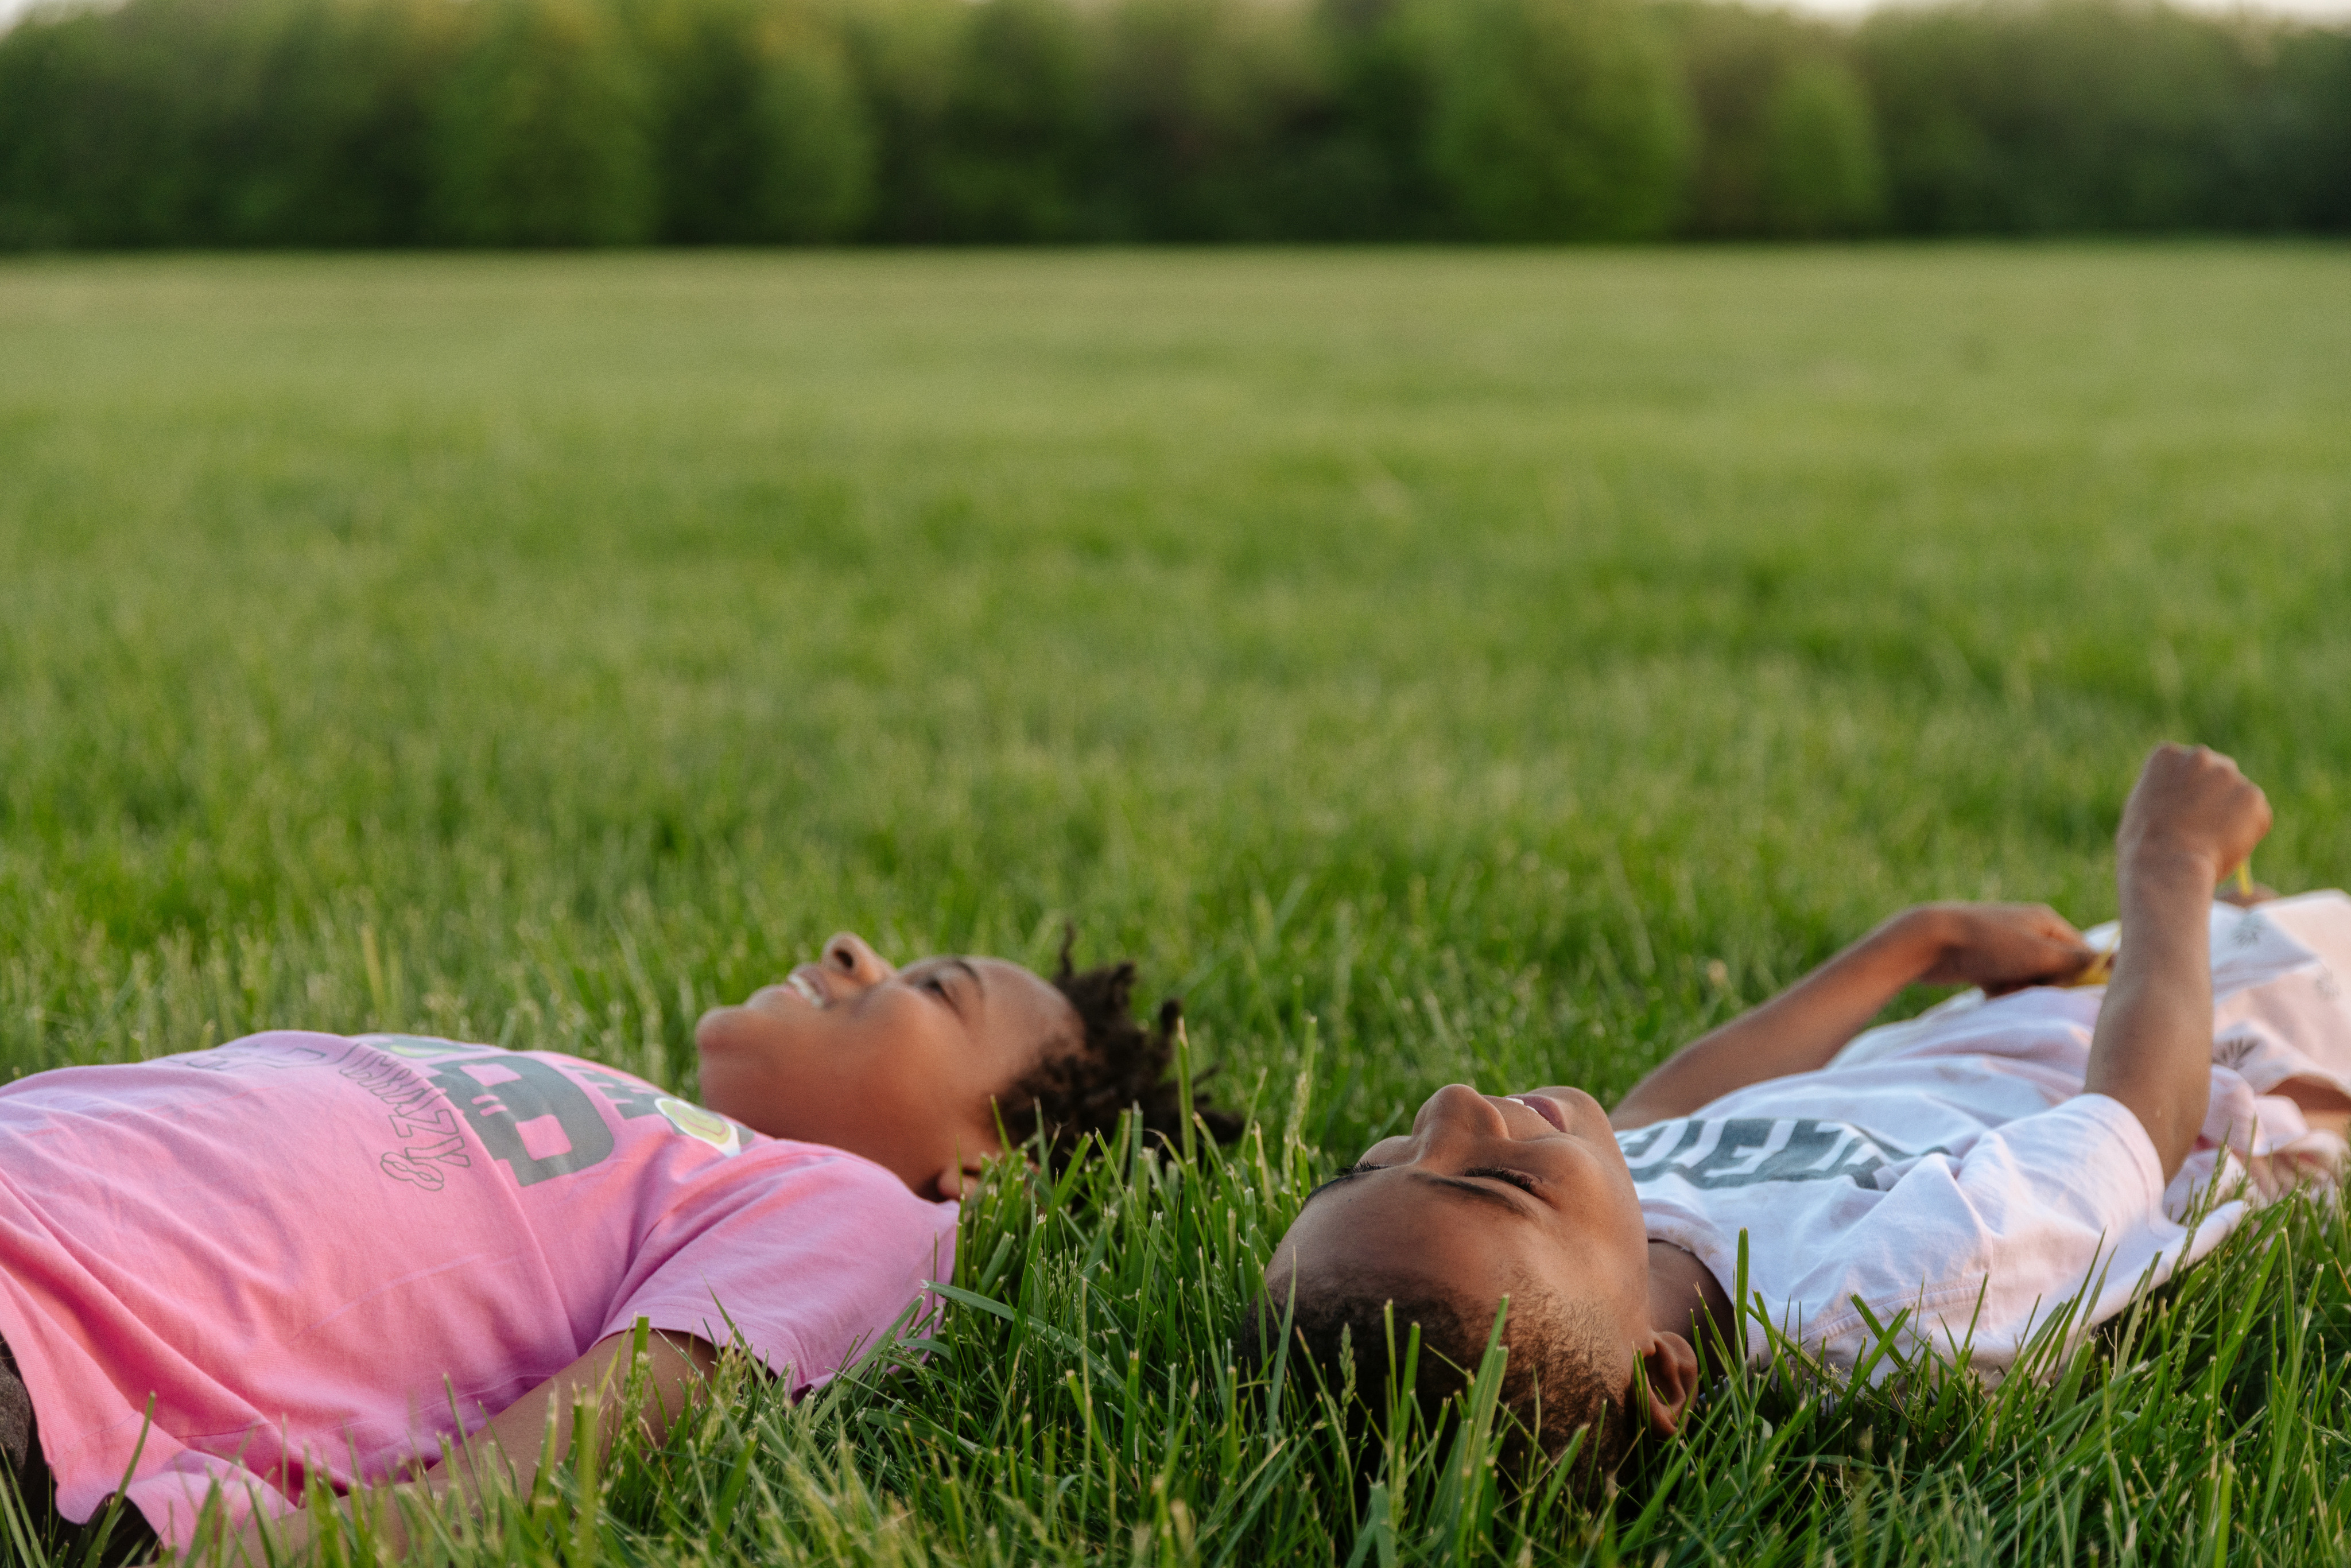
[540,122]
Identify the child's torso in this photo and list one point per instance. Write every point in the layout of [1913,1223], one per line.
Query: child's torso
[314,1250]
[1804,1164]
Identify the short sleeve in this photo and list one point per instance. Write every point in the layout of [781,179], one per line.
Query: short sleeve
[2061,1207]
[807,1264]
[2087,1160]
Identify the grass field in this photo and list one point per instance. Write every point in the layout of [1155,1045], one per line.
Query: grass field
[1433,665]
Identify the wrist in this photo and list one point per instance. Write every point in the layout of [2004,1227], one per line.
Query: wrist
[2165,861]
[1922,934]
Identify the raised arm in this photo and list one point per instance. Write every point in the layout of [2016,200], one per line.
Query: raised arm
[2192,818]
[1999,946]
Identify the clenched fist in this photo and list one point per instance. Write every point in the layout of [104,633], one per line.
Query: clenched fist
[2191,802]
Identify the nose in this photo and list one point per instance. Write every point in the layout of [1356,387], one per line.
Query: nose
[1455,1113]
[847,955]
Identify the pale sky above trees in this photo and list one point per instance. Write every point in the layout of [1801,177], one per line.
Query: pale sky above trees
[2335,10]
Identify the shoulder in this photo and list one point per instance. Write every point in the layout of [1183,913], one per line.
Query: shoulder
[2088,1151]
[817,1224]
[820,1172]
[819,1184]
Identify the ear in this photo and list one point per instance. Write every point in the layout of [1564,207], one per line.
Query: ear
[964,1164]
[958,1177]
[1669,1378]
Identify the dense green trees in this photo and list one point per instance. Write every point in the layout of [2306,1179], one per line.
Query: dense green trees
[1552,118]
[1820,171]
[758,129]
[540,130]
[2080,115]
[222,122]
[533,123]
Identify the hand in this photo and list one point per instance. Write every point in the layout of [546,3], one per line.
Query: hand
[2003,948]
[2192,801]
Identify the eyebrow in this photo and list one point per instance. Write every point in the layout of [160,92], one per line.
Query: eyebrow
[1350,1174]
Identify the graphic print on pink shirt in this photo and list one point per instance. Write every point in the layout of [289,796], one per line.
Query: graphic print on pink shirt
[326,1254]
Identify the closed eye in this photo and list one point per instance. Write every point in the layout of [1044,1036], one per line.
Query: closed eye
[933,978]
[1520,1179]
[935,982]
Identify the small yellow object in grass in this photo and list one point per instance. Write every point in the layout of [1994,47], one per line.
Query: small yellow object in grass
[2245,877]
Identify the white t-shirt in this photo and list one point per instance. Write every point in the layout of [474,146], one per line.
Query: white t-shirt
[1952,1166]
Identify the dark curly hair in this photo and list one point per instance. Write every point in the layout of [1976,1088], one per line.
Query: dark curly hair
[1550,1387]
[1118,1065]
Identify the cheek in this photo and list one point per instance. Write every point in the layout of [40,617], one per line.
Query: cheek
[1606,1235]
[905,1057]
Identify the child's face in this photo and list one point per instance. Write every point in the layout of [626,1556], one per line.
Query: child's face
[903,1066]
[1486,1196]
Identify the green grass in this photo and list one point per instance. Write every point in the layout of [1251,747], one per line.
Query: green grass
[1441,658]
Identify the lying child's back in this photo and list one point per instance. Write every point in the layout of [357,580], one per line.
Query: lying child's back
[1953,1166]
[335,1252]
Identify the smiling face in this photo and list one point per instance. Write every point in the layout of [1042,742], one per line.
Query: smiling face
[1524,1195]
[903,1066]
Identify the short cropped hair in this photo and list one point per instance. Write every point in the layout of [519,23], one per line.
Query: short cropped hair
[1552,1387]
[1117,1066]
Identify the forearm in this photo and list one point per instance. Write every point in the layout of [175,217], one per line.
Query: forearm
[2153,1046]
[506,1454]
[1797,1030]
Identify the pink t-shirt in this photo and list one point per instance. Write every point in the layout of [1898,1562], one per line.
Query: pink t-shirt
[320,1255]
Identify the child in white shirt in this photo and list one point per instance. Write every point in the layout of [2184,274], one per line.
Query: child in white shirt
[1981,1167]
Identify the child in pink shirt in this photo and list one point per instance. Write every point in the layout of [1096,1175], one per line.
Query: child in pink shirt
[308,1256]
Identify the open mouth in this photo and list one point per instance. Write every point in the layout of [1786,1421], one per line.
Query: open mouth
[1547,1109]
[807,990]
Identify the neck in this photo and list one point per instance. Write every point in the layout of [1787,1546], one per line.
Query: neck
[1684,1298]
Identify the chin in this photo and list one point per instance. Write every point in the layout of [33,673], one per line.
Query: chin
[710,1030]
[742,1036]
